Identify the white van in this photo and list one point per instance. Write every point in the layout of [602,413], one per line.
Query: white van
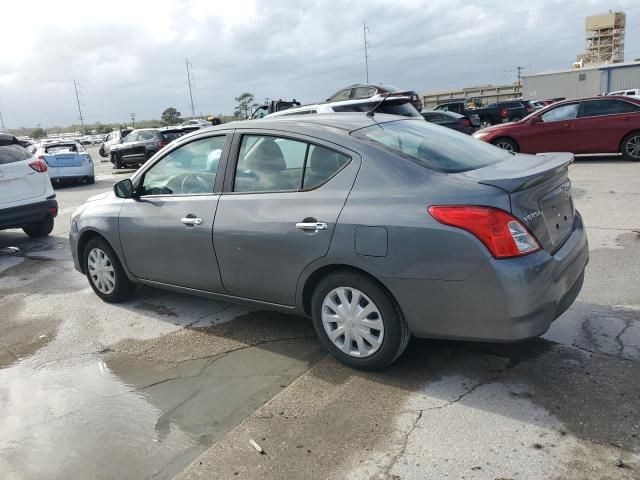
[633,92]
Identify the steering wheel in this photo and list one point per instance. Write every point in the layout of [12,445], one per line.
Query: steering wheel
[194,183]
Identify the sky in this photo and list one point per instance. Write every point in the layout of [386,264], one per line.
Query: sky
[129,56]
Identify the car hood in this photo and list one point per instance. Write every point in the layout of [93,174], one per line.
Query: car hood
[100,196]
[501,127]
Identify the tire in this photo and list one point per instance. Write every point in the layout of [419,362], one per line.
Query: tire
[91,180]
[102,152]
[111,286]
[484,123]
[394,329]
[506,144]
[115,159]
[630,147]
[39,229]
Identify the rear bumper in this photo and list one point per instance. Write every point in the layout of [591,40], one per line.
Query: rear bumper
[18,217]
[504,301]
[69,173]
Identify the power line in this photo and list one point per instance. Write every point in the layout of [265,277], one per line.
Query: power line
[75,85]
[193,108]
[365,29]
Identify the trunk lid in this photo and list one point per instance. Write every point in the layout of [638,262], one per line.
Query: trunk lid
[63,159]
[539,190]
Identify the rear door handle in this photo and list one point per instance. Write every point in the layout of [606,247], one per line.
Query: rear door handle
[191,220]
[312,226]
[568,125]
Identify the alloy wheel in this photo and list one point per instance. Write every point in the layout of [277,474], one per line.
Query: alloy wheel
[633,147]
[352,322]
[505,146]
[101,271]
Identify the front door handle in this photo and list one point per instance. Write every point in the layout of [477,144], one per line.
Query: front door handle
[191,220]
[568,125]
[311,226]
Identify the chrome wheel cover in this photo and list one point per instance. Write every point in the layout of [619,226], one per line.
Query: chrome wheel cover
[352,322]
[101,271]
[633,146]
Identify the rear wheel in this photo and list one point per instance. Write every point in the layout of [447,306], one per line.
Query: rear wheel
[39,229]
[115,159]
[506,144]
[484,123]
[358,321]
[105,273]
[91,180]
[102,152]
[630,147]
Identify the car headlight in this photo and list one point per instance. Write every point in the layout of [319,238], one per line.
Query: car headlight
[480,135]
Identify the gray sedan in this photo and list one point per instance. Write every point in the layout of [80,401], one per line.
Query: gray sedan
[377,227]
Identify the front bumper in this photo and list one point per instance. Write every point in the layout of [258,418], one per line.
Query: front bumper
[504,301]
[18,217]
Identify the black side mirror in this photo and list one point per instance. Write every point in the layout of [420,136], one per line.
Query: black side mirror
[124,189]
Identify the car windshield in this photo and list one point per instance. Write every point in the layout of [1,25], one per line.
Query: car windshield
[432,147]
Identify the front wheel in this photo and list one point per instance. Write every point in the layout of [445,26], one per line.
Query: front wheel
[506,144]
[485,123]
[358,321]
[105,273]
[102,152]
[39,229]
[630,147]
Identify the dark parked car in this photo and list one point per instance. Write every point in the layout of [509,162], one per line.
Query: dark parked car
[502,112]
[460,108]
[140,145]
[375,92]
[378,227]
[604,124]
[450,120]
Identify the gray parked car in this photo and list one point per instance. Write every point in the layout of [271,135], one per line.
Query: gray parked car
[375,227]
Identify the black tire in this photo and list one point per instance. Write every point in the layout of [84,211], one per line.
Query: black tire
[485,122]
[507,144]
[124,288]
[115,159]
[39,229]
[396,331]
[627,147]
[102,152]
[91,180]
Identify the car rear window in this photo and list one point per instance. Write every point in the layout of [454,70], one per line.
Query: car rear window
[12,153]
[67,147]
[439,149]
[392,108]
[170,136]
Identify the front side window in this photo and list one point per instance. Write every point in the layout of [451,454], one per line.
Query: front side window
[563,112]
[342,95]
[275,164]
[189,169]
[439,149]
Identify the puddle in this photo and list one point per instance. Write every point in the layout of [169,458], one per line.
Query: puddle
[160,309]
[125,416]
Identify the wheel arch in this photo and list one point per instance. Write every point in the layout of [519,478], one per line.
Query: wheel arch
[624,137]
[314,278]
[86,237]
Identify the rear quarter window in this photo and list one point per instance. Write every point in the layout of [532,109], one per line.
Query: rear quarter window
[435,148]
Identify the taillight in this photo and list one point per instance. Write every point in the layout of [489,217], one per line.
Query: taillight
[162,143]
[530,108]
[39,165]
[466,122]
[504,113]
[53,211]
[502,233]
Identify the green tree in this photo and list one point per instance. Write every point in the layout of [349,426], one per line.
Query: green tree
[243,107]
[171,116]
[38,133]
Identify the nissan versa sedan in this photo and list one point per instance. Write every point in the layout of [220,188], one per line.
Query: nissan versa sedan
[605,124]
[377,227]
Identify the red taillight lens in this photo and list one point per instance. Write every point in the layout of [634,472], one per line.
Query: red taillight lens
[504,113]
[499,231]
[466,122]
[39,165]
[53,211]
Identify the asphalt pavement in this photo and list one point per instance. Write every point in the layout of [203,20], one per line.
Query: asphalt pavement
[169,384]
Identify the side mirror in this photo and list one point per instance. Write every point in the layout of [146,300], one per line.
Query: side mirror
[124,189]
[536,119]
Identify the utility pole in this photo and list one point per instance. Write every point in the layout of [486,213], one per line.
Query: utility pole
[2,122]
[75,85]
[193,108]
[520,74]
[365,29]
[133,119]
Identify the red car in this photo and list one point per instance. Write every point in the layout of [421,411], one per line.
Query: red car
[607,124]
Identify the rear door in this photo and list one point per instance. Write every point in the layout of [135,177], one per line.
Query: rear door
[603,123]
[556,132]
[18,181]
[166,233]
[283,195]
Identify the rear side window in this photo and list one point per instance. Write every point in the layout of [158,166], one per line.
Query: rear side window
[628,107]
[170,136]
[341,95]
[12,153]
[595,108]
[363,92]
[439,149]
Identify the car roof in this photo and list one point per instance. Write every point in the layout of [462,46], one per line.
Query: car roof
[7,137]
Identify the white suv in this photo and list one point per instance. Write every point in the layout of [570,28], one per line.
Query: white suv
[27,199]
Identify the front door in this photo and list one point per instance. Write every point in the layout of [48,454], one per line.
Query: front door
[278,213]
[556,133]
[166,233]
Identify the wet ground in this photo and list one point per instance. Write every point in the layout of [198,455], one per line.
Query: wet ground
[142,390]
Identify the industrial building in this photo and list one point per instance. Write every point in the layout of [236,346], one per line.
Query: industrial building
[478,95]
[604,39]
[581,82]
